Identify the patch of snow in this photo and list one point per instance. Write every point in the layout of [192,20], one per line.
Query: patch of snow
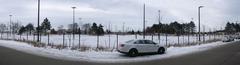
[93,56]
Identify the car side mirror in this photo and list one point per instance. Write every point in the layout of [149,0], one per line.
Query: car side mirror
[155,43]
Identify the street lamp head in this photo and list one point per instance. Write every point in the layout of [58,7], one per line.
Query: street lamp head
[73,7]
[10,15]
[200,6]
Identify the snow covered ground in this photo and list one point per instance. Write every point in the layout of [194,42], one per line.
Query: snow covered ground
[111,40]
[93,56]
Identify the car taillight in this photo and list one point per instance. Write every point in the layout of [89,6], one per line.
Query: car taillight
[121,45]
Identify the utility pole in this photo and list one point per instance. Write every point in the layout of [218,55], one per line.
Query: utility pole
[79,36]
[199,33]
[10,25]
[159,24]
[144,21]
[73,30]
[109,39]
[38,32]
[123,29]
[203,33]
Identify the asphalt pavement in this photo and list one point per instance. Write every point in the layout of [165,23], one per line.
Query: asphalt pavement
[228,54]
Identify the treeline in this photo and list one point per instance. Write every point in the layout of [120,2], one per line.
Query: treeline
[45,27]
[172,28]
[98,29]
[11,28]
[231,28]
[91,29]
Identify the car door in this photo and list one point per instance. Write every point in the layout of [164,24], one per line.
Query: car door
[140,46]
[151,46]
[147,46]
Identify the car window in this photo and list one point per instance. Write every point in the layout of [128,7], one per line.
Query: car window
[135,42]
[139,42]
[148,42]
[144,42]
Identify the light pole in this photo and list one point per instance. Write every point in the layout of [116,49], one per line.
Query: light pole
[203,33]
[79,36]
[123,29]
[144,21]
[10,24]
[38,32]
[73,24]
[159,24]
[199,38]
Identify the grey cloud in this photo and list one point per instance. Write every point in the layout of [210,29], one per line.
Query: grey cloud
[118,11]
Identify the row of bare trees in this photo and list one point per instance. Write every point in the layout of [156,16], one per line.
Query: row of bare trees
[11,28]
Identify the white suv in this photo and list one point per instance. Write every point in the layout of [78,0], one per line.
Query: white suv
[134,47]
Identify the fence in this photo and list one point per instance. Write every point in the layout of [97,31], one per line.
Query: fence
[111,41]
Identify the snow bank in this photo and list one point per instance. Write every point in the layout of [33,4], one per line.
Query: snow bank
[93,56]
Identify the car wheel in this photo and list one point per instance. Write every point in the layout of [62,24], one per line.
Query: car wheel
[161,50]
[133,53]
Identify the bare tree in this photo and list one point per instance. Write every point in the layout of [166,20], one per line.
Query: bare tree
[71,27]
[15,26]
[86,27]
[3,27]
[60,29]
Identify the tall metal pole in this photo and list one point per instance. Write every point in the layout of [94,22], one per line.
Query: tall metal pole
[109,39]
[10,24]
[159,22]
[123,29]
[144,21]
[73,32]
[203,33]
[199,34]
[38,32]
[79,36]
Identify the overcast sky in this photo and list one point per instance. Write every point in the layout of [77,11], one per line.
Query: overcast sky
[215,13]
